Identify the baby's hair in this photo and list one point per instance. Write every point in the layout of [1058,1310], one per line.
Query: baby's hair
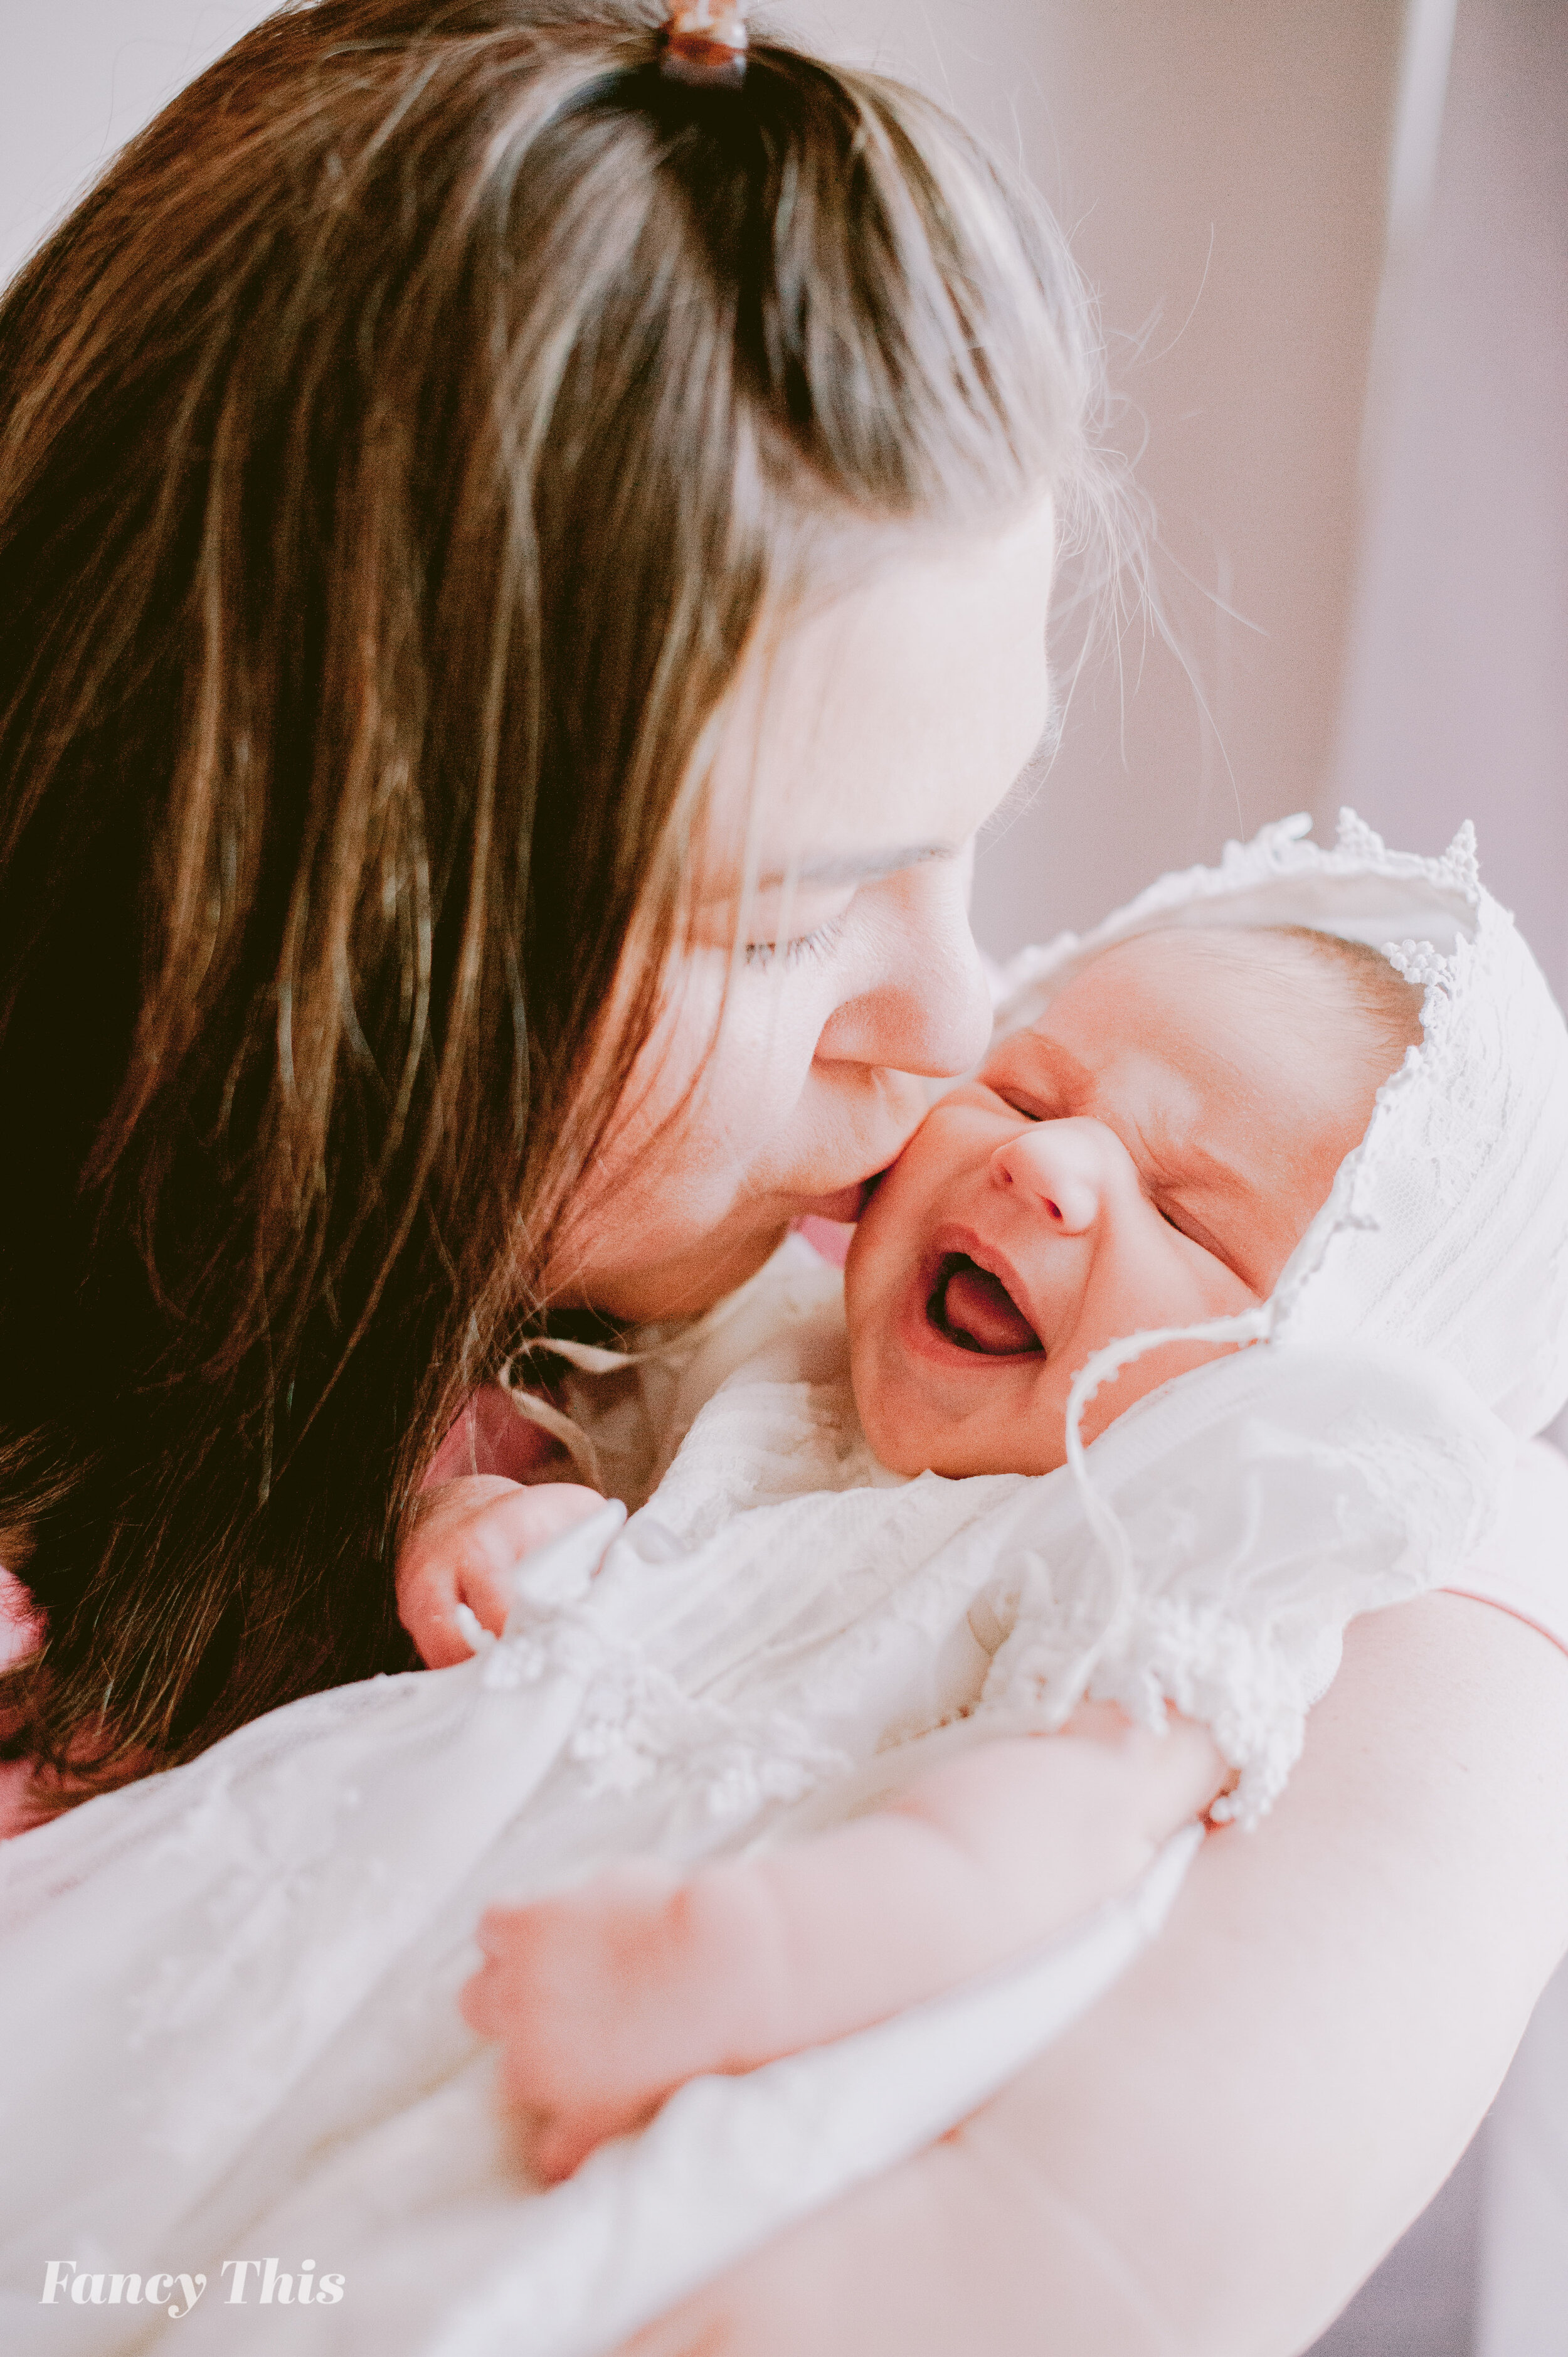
[1384,1007]
[1389,1006]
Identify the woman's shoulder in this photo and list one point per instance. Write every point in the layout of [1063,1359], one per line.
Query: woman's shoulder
[1524,1568]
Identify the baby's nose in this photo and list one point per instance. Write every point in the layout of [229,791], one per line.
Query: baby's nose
[1058,1167]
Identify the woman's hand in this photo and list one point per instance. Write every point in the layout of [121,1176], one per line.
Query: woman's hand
[467,1542]
[1211,2162]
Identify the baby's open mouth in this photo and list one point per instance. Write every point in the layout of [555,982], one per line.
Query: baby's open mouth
[975,1310]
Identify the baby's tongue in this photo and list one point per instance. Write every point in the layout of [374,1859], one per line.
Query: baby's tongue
[981,1307]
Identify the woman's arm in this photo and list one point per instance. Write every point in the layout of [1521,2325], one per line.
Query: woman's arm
[1215,2157]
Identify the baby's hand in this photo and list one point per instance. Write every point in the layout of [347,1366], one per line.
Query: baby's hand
[610,1995]
[603,2004]
[464,1549]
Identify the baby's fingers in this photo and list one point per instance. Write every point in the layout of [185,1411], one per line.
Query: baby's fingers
[517,1521]
[1189,1772]
[483,1999]
[1182,1769]
[1201,1773]
[552,2148]
[554,2145]
[426,1607]
[505,1534]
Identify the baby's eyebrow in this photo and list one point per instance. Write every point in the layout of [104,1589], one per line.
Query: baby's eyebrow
[1176,1147]
[1187,1151]
[1071,1078]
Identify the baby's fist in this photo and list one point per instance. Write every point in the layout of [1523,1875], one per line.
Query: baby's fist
[466,1545]
[597,2020]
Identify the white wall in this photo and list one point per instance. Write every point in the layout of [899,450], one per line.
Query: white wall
[1458,697]
[78,76]
[1223,170]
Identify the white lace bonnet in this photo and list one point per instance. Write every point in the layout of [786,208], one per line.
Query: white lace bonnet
[1446,1229]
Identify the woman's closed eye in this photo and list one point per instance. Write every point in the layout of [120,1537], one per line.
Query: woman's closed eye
[818,944]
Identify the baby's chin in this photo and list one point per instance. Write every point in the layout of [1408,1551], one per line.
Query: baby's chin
[982,1414]
[908,1435]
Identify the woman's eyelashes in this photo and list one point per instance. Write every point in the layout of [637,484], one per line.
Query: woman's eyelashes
[814,944]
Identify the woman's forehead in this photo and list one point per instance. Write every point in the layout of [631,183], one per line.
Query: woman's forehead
[890,720]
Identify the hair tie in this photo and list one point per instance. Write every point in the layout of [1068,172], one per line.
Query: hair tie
[704,42]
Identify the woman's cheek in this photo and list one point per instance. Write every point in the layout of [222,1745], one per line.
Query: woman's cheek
[727,1055]
[766,1050]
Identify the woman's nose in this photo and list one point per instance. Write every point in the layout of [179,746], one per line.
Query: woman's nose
[929,1012]
[1059,1167]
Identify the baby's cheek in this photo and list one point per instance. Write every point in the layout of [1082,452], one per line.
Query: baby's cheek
[1144,1375]
[867,1380]
[1032,1437]
[891,1413]
[894,1438]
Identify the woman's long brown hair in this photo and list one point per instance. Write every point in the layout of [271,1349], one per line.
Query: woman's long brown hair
[396,449]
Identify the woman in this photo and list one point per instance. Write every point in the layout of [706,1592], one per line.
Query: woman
[521,575]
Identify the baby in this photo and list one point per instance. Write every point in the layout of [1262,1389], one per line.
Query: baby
[1147,1154]
[797,1745]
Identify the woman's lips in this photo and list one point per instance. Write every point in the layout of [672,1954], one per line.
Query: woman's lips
[973,1309]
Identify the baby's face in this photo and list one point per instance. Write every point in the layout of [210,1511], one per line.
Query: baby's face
[1149,1153]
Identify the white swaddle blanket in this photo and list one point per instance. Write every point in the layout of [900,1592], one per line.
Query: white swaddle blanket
[230,1989]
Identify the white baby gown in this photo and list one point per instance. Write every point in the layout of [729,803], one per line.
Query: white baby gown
[231,1988]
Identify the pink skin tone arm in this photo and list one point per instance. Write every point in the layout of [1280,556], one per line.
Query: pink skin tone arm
[1175,2178]
[609,1996]
[612,1995]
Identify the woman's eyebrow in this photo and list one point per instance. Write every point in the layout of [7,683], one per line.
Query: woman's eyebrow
[856,867]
